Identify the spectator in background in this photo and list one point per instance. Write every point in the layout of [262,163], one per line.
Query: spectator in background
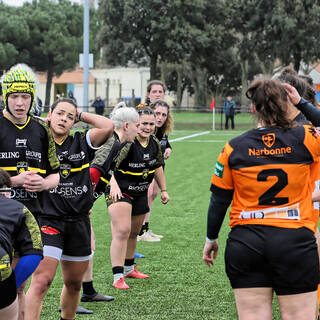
[71,96]
[229,109]
[98,105]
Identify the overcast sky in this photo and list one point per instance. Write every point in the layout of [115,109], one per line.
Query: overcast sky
[20,2]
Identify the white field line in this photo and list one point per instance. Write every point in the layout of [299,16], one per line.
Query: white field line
[205,141]
[191,136]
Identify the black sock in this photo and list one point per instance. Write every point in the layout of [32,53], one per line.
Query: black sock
[117,269]
[144,228]
[129,262]
[65,319]
[87,288]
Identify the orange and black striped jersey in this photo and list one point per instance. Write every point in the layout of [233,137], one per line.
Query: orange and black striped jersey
[271,173]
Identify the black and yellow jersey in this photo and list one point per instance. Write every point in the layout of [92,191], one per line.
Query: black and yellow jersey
[271,173]
[27,147]
[104,161]
[74,195]
[135,166]
[163,138]
[19,230]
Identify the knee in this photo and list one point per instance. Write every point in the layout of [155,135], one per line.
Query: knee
[41,283]
[121,233]
[73,285]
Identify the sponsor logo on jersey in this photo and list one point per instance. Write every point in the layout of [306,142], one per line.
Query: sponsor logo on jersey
[315,132]
[269,139]
[33,155]
[218,171]
[49,230]
[10,155]
[22,194]
[77,156]
[22,167]
[139,188]
[136,165]
[145,173]
[70,191]
[65,170]
[21,143]
[270,152]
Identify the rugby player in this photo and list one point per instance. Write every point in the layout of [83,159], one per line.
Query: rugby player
[64,222]
[19,232]
[136,165]
[28,151]
[156,90]
[267,174]
[164,125]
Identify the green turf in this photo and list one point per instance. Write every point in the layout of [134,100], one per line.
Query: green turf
[180,285]
[192,120]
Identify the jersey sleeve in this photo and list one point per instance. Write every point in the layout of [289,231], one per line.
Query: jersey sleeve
[309,111]
[53,160]
[312,141]
[159,156]
[123,153]
[101,156]
[28,240]
[222,175]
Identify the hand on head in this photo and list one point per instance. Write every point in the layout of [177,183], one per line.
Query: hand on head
[292,93]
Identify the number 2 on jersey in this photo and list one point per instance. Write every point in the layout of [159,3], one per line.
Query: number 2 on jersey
[269,197]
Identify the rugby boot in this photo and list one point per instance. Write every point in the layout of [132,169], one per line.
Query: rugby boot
[120,284]
[136,274]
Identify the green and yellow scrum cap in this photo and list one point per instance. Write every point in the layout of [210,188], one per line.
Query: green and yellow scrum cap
[18,81]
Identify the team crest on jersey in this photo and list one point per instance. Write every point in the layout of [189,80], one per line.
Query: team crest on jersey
[145,173]
[269,139]
[22,167]
[65,170]
[146,156]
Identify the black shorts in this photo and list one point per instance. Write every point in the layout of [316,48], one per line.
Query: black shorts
[139,203]
[73,237]
[279,258]
[7,280]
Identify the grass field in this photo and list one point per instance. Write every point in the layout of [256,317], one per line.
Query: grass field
[192,120]
[180,285]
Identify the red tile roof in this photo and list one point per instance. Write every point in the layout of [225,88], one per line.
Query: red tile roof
[75,76]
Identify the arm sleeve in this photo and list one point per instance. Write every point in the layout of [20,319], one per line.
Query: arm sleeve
[219,202]
[310,112]
[25,267]
[28,240]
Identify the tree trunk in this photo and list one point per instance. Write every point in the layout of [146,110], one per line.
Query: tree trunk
[244,82]
[48,86]
[179,88]
[199,81]
[297,60]
[153,67]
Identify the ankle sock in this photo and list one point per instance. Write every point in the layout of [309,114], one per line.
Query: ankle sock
[144,228]
[117,273]
[87,288]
